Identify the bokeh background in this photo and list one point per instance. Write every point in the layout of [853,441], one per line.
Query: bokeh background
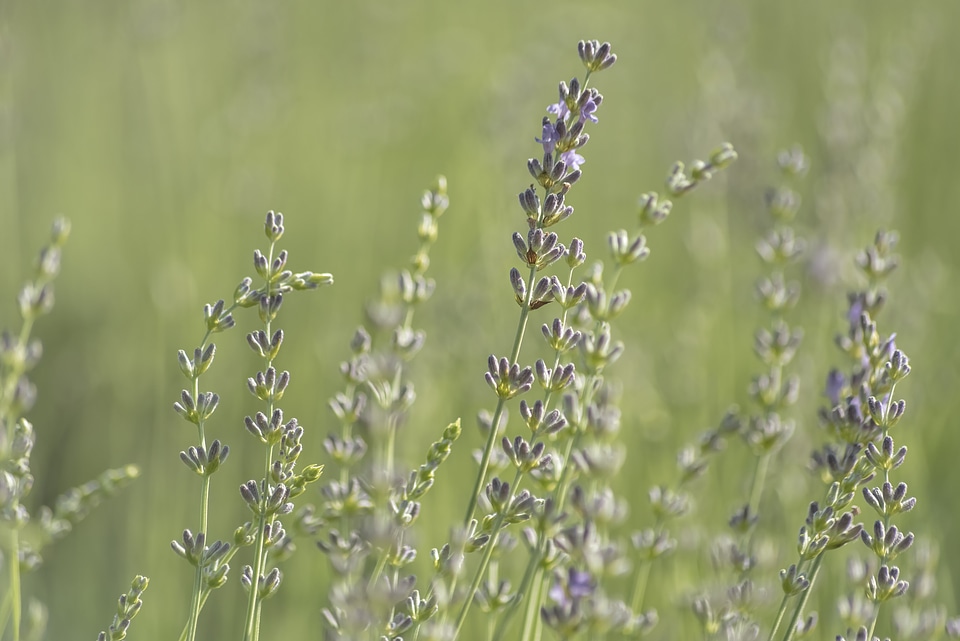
[165,129]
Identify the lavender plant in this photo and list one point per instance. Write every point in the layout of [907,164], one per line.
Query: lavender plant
[128,606]
[368,509]
[270,496]
[22,537]
[767,428]
[577,415]
[858,425]
[371,507]
[543,542]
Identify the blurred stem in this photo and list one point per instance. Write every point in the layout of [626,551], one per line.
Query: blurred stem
[378,570]
[12,604]
[529,576]
[759,480]
[639,590]
[393,419]
[532,615]
[4,613]
[501,402]
[565,477]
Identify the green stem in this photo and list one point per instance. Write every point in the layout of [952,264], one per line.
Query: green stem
[252,619]
[487,555]
[782,610]
[257,621]
[5,612]
[378,570]
[197,596]
[533,575]
[205,592]
[563,485]
[13,560]
[759,480]
[532,615]
[14,600]
[886,517]
[639,590]
[756,494]
[501,402]
[204,504]
[478,577]
[801,604]
[251,631]
[528,578]
[531,571]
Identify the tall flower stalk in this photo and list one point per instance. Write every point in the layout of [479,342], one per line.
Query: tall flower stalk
[22,535]
[369,507]
[269,497]
[573,426]
[773,392]
[555,173]
[863,411]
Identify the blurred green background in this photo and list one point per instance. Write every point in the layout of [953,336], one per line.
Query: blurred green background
[165,130]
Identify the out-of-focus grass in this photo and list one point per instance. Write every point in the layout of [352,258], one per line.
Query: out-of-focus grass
[164,130]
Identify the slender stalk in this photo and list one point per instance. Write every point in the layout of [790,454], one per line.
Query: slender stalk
[251,629]
[801,604]
[639,590]
[759,480]
[501,402]
[886,517]
[531,570]
[532,615]
[377,570]
[529,574]
[478,577]
[560,496]
[13,560]
[204,504]
[14,599]
[196,598]
[485,559]
[252,619]
[206,590]
[781,611]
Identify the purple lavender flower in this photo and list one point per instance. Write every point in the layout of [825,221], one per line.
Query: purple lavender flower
[580,584]
[890,346]
[559,109]
[550,137]
[588,110]
[571,588]
[835,383]
[572,159]
[856,309]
